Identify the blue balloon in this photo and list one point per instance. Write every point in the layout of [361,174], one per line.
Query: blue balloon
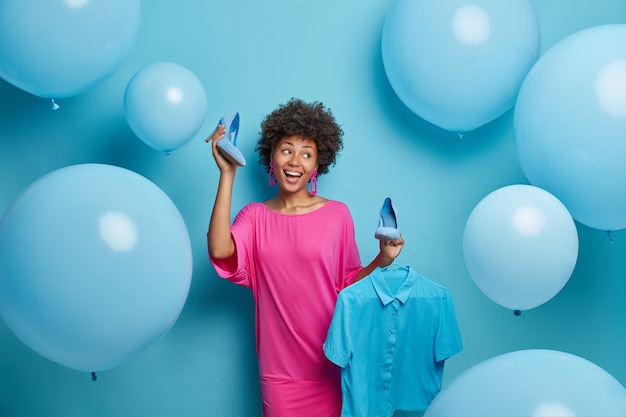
[534,382]
[569,124]
[95,265]
[165,105]
[520,246]
[459,64]
[58,49]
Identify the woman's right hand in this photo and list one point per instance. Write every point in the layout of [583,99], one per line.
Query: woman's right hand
[222,163]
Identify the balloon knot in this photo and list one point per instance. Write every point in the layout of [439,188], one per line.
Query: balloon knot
[93,376]
[55,106]
[517,312]
[611,236]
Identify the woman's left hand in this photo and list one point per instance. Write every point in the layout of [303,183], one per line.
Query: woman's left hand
[390,249]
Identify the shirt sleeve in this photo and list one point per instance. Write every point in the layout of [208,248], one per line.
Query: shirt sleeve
[448,339]
[338,344]
[236,267]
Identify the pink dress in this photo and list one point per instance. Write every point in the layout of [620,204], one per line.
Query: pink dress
[295,266]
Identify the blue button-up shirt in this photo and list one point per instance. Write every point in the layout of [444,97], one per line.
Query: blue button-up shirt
[391,333]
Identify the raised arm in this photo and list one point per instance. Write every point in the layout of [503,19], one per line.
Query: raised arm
[219,240]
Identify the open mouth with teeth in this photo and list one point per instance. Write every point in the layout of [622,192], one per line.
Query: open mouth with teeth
[292,177]
[293,174]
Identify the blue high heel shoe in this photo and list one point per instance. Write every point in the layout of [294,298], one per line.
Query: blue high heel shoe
[387,224]
[228,144]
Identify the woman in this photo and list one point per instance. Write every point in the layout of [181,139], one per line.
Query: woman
[295,251]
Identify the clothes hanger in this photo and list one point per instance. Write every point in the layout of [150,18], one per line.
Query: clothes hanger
[394,265]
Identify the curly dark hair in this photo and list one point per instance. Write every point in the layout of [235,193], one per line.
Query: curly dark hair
[310,120]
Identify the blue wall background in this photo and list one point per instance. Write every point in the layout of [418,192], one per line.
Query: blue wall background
[251,56]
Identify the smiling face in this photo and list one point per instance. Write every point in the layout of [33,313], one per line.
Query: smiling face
[294,158]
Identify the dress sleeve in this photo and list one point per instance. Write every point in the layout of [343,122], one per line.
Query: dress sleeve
[351,260]
[448,338]
[338,344]
[236,267]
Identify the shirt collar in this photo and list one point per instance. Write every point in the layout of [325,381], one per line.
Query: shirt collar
[383,291]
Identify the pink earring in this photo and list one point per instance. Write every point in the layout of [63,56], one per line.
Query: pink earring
[272,177]
[313,182]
